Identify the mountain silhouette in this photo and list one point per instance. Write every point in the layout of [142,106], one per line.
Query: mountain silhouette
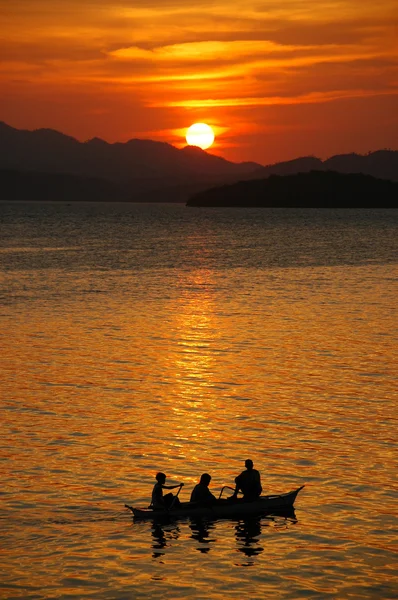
[32,163]
[382,164]
[142,164]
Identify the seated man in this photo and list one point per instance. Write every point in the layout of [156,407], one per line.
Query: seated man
[248,482]
[201,493]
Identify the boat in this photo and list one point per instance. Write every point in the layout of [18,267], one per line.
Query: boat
[221,508]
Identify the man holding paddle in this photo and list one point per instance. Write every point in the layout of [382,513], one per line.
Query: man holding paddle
[169,500]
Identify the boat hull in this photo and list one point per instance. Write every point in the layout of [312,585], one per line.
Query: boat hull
[223,508]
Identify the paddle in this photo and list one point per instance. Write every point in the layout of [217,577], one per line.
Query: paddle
[225,487]
[175,497]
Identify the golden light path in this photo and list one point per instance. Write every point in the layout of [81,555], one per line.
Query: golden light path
[200,134]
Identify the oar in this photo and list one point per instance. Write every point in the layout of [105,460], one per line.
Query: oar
[225,487]
[175,497]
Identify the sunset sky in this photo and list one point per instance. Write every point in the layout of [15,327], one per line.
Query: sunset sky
[275,79]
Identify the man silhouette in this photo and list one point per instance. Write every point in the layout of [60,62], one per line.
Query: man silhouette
[201,493]
[248,482]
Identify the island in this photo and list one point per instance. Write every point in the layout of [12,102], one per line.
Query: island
[313,189]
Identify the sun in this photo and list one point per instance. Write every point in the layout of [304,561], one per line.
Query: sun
[200,134]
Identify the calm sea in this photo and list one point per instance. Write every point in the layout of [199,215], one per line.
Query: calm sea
[142,338]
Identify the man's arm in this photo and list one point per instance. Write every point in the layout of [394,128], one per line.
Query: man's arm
[172,487]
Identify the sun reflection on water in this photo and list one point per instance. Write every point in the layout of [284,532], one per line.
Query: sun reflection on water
[196,343]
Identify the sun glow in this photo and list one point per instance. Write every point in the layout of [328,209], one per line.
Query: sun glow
[200,134]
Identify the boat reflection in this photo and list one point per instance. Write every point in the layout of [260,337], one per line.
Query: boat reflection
[248,532]
[163,535]
[201,531]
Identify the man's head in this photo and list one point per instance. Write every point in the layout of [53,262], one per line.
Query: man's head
[249,464]
[160,477]
[205,479]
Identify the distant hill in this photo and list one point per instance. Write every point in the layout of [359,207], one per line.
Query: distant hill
[142,170]
[138,166]
[382,164]
[315,189]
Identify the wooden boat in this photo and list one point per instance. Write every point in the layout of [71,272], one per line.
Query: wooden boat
[222,508]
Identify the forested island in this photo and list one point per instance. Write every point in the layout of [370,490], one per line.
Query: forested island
[315,189]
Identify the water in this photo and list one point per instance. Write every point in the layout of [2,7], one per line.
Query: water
[142,338]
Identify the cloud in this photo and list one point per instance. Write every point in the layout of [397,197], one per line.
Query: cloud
[311,98]
[172,56]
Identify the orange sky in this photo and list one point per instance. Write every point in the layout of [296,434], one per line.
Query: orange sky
[275,79]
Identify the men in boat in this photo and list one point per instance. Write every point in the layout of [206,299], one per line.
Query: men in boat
[248,482]
[201,493]
[158,500]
